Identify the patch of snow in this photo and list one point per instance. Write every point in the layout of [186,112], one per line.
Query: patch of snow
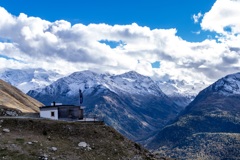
[145,124]
[29,79]
[129,79]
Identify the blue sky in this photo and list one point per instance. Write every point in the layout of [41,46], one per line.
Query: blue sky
[192,40]
[152,13]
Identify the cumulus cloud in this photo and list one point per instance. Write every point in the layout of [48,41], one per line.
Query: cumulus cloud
[64,47]
[223,18]
[224,13]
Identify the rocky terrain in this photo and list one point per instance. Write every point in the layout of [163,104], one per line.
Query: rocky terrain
[34,139]
[4,111]
[209,128]
[16,101]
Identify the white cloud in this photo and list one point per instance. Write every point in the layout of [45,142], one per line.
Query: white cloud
[197,17]
[197,32]
[224,14]
[60,46]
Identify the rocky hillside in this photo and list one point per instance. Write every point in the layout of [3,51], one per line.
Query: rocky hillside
[32,139]
[209,128]
[12,98]
[131,103]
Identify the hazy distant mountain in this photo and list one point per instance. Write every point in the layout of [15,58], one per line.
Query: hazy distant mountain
[209,128]
[12,98]
[131,103]
[28,79]
[181,92]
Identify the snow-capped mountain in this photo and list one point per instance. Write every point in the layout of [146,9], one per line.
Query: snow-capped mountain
[209,125]
[28,79]
[131,103]
[181,92]
[229,85]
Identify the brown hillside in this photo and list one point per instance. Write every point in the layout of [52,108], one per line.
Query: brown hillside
[39,139]
[13,98]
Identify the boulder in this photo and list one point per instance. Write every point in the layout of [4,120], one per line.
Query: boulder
[82,144]
[54,149]
[6,130]
[30,143]
[85,146]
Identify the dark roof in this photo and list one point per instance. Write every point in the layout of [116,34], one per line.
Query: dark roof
[56,106]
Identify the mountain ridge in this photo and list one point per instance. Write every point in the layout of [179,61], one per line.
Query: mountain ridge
[214,111]
[180,91]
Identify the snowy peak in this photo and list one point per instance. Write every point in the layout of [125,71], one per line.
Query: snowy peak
[135,83]
[130,83]
[184,88]
[182,92]
[227,86]
[80,79]
[84,74]
[222,92]
[133,75]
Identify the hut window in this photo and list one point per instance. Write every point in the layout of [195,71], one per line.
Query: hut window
[52,114]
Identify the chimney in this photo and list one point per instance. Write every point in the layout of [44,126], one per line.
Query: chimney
[54,103]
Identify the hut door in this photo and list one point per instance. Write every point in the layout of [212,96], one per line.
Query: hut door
[71,113]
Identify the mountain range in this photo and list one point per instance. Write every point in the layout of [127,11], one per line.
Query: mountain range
[153,112]
[180,91]
[100,90]
[208,128]
[122,89]
[132,103]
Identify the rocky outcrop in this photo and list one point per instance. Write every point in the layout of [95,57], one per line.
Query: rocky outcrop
[4,111]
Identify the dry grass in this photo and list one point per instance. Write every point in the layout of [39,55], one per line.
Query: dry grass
[12,97]
[104,141]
